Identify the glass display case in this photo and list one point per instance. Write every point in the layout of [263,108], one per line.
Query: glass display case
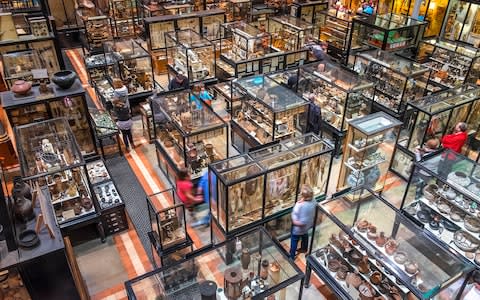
[105,128]
[207,23]
[389,32]
[452,63]
[253,188]
[109,199]
[188,52]
[54,103]
[335,29]
[241,41]
[97,30]
[443,197]
[288,33]
[238,10]
[21,59]
[132,64]
[167,224]
[98,66]
[50,156]
[189,134]
[18,65]
[257,268]
[340,95]
[268,112]
[368,249]
[369,147]
[398,79]
[173,8]
[123,14]
[169,238]
[246,50]
[226,98]
[310,11]
[433,117]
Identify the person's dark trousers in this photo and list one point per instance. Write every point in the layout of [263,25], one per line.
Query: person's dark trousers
[294,243]
[127,136]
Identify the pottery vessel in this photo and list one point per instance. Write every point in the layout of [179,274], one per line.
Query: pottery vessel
[411,267]
[391,246]
[364,266]
[22,203]
[64,79]
[353,279]
[459,178]
[21,87]
[381,239]
[264,269]
[245,258]
[430,191]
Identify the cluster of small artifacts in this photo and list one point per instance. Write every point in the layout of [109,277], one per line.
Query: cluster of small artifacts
[353,268]
[255,275]
[451,214]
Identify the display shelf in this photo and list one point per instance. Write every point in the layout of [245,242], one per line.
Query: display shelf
[188,134]
[49,148]
[375,135]
[123,14]
[447,209]
[453,63]
[393,257]
[277,111]
[168,223]
[97,30]
[339,94]
[288,33]
[398,80]
[263,185]
[389,32]
[105,128]
[432,117]
[279,276]
[335,29]
[133,65]
[188,52]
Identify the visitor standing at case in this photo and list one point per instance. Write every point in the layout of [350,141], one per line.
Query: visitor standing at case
[120,92]
[179,82]
[303,215]
[454,142]
[124,122]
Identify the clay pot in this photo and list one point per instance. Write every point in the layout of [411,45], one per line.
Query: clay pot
[391,246]
[23,209]
[21,87]
[20,188]
[411,267]
[245,258]
[64,79]
[376,278]
[264,269]
[430,192]
[372,232]
[381,239]
[362,225]
[364,266]
[86,203]
[353,279]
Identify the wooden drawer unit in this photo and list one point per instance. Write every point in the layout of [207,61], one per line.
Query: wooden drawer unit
[114,220]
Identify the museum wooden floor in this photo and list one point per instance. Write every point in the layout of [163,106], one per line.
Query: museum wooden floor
[132,254]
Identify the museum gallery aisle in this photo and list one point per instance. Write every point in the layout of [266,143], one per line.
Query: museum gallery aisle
[142,161]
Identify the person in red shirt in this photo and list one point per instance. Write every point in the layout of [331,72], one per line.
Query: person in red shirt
[457,139]
[185,189]
[454,142]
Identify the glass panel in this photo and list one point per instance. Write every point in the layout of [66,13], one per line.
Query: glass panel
[46,147]
[259,263]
